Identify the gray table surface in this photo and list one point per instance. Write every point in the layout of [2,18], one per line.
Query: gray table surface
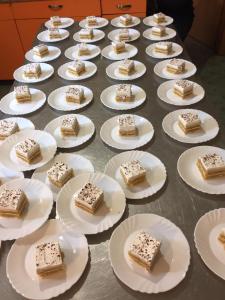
[176,201]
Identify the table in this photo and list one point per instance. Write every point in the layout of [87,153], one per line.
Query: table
[176,201]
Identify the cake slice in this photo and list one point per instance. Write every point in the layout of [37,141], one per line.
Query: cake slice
[211,165]
[32,70]
[159,30]
[189,122]
[41,50]
[7,128]
[119,47]
[126,19]
[55,21]
[59,174]
[22,93]
[86,33]
[159,18]
[75,95]
[69,126]
[124,93]
[221,236]
[49,258]
[133,172]
[144,249]
[76,68]
[13,202]
[126,67]
[89,198]
[54,33]
[164,47]
[28,150]
[123,35]
[92,21]
[83,49]
[176,66]
[183,88]
[127,125]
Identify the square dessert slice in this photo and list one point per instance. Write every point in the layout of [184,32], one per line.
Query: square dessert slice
[211,165]
[49,258]
[69,126]
[55,21]
[119,47]
[159,30]
[126,19]
[189,122]
[7,128]
[124,93]
[126,67]
[127,125]
[83,49]
[28,150]
[144,249]
[13,202]
[86,33]
[159,18]
[123,35]
[76,68]
[40,50]
[132,172]
[22,93]
[59,174]
[89,198]
[32,70]
[183,88]
[164,47]
[75,94]
[221,236]
[175,66]
[54,33]
[92,21]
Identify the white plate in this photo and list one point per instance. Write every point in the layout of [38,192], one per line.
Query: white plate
[166,94]
[66,22]
[110,134]
[22,124]
[190,173]
[40,204]
[171,264]
[71,53]
[90,67]
[113,72]
[177,50]
[134,35]
[9,174]
[20,265]
[78,163]
[155,173]
[56,98]
[206,234]
[108,98]
[86,131]
[209,127]
[109,53]
[54,52]
[170,33]
[116,22]
[160,70]
[149,21]
[109,213]
[44,36]
[98,35]
[46,72]
[8,154]
[102,22]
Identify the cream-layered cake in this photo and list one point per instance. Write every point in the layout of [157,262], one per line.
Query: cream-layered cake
[69,126]
[164,47]
[143,250]
[55,21]
[49,258]
[41,50]
[75,94]
[183,88]
[89,198]
[127,125]
[28,150]
[118,47]
[59,174]
[91,21]
[176,66]
[211,165]
[7,128]
[126,67]
[83,49]
[123,35]
[159,18]
[126,19]
[132,172]
[189,122]
[221,236]
[22,93]
[32,70]
[76,67]
[13,202]
[54,33]
[86,33]
[124,93]
[159,30]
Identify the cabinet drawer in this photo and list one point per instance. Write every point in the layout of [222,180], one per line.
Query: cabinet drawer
[123,6]
[5,12]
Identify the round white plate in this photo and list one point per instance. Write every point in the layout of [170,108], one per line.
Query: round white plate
[113,72]
[108,98]
[22,124]
[170,33]
[206,234]
[72,54]
[20,266]
[209,127]
[90,70]
[172,261]
[155,173]
[110,134]
[116,22]
[109,53]
[160,70]
[109,213]
[54,52]
[177,50]
[102,22]
[166,94]
[78,163]
[8,154]
[149,21]
[9,174]
[66,22]
[86,131]
[46,72]
[98,35]
[134,35]
[191,175]
[40,205]
[56,98]
[44,36]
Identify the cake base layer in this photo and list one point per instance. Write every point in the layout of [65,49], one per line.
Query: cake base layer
[190,129]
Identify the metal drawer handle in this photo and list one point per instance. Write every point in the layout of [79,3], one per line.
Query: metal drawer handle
[55,6]
[123,6]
